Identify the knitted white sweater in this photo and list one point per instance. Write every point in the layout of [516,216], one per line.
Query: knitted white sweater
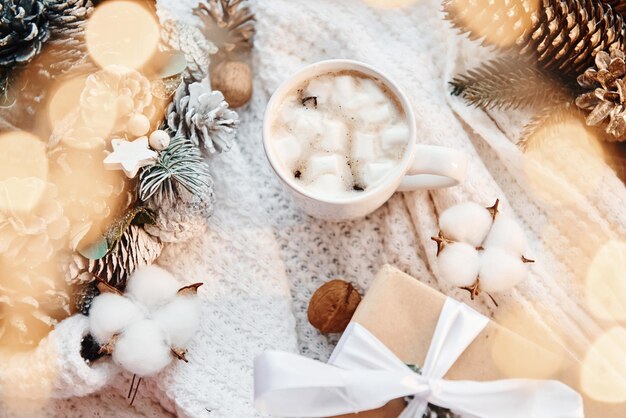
[262,259]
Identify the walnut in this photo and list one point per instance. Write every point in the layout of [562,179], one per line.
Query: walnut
[332,306]
[234,80]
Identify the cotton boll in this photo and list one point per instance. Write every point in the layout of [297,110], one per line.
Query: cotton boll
[468,222]
[152,286]
[142,349]
[458,264]
[110,314]
[179,319]
[508,235]
[500,271]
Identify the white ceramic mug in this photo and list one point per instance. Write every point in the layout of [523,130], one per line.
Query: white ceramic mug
[421,167]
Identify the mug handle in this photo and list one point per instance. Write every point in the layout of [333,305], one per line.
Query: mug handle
[434,167]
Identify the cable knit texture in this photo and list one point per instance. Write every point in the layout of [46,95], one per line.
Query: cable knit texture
[262,259]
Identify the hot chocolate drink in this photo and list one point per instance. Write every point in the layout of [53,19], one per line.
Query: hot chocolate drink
[340,133]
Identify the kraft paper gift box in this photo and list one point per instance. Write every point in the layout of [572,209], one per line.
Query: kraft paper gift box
[403,313]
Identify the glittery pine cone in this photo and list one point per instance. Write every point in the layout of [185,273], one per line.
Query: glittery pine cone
[202,116]
[92,197]
[30,238]
[135,248]
[184,218]
[115,90]
[31,303]
[605,94]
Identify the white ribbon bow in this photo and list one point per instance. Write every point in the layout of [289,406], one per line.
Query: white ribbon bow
[364,374]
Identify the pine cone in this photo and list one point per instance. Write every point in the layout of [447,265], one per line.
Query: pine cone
[184,218]
[229,23]
[31,303]
[190,41]
[91,196]
[203,116]
[30,238]
[136,248]
[115,90]
[605,96]
[562,36]
[23,29]
[83,296]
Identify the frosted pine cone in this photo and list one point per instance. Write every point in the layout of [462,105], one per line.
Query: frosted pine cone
[606,93]
[184,218]
[203,116]
[33,237]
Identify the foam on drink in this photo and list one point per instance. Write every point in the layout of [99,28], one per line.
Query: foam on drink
[340,133]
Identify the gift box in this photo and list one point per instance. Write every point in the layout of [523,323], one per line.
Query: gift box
[402,313]
[403,316]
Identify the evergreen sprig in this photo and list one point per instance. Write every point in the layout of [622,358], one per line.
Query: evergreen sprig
[179,166]
[507,83]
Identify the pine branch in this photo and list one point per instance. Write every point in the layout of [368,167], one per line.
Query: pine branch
[180,165]
[549,116]
[507,83]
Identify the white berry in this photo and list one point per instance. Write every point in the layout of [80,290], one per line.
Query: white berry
[508,235]
[500,270]
[458,264]
[159,140]
[468,222]
[138,125]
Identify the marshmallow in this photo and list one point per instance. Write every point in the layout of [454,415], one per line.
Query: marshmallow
[364,147]
[327,164]
[344,86]
[334,137]
[376,114]
[373,91]
[321,88]
[307,123]
[289,150]
[328,184]
[394,139]
[375,172]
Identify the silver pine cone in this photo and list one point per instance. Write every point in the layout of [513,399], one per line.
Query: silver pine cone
[184,218]
[200,114]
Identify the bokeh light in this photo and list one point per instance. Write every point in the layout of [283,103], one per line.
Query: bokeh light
[606,282]
[603,373]
[564,152]
[540,360]
[497,24]
[65,98]
[23,171]
[122,33]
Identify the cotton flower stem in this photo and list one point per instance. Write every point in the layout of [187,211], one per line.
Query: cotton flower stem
[136,389]
[104,287]
[180,354]
[192,289]
[441,242]
[494,209]
[527,260]
[474,289]
[493,299]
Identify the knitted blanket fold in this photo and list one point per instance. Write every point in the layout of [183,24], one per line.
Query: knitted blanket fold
[262,258]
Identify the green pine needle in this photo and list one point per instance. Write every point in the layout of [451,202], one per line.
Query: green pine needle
[179,166]
[507,83]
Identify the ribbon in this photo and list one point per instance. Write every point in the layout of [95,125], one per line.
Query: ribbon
[363,374]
